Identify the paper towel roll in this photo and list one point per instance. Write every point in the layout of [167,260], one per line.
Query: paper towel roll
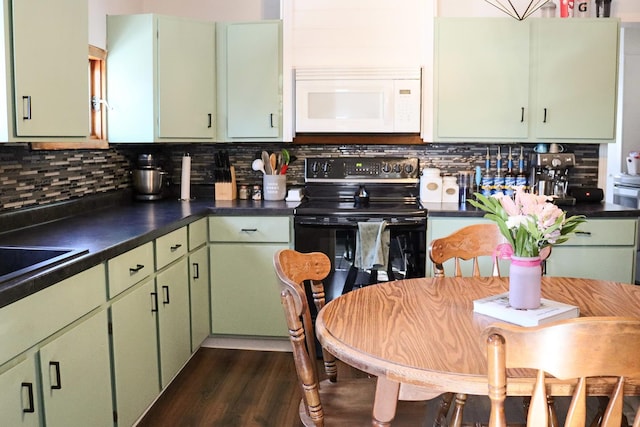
[185,182]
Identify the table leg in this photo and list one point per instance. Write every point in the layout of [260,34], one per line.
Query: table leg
[386,400]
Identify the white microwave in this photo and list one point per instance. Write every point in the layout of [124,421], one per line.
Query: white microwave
[358,100]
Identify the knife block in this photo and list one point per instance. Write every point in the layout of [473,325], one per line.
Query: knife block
[227,190]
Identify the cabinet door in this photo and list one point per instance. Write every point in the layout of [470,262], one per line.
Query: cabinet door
[482,78]
[199,296]
[245,295]
[172,286]
[50,42]
[76,376]
[253,78]
[19,405]
[576,78]
[186,78]
[604,263]
[135,352]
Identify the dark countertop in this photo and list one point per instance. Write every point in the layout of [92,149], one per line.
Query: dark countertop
[110,231]
[107,226]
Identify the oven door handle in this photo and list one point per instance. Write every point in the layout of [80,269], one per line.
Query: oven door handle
[352,222]
[626,191]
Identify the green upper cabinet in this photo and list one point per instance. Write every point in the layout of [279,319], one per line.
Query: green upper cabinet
[160,79]
[482,78]
[250,81]
[576,77]
[551,79]
[49,95]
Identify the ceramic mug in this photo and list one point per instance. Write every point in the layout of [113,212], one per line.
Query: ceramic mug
[556,148]
[541,148]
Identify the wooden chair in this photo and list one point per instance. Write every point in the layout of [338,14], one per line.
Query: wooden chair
[329,402]
[467,243]
[611,343]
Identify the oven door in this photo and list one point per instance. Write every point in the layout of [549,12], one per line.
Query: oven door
[626,196]
[407,253]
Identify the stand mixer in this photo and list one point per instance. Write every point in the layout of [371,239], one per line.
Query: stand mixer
[549,175]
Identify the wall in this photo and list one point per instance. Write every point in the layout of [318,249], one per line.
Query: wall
[204,10]
[37,178]
[626,10]
[29,178]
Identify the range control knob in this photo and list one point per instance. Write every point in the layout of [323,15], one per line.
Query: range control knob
[315,167]
[408,168]
[326,167]
[386,168]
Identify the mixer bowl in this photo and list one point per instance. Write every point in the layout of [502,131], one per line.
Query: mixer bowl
[148,181]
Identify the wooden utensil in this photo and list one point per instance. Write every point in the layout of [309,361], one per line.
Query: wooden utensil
[272,163]
[266,162]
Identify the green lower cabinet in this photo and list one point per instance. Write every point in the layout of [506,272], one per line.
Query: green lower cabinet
[174,335]
[19,406]
[76,376]
[199,296]
[601,249]
[604,263]
[135,352]
[245,295]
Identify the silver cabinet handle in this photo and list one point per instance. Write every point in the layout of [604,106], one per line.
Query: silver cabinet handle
[26,104]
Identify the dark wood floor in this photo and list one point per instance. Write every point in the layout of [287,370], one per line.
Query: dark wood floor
[243,388]
[222,387]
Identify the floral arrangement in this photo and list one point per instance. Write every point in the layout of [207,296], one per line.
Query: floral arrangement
[529,222]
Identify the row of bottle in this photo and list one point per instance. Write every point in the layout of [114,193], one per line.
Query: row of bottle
[499,181]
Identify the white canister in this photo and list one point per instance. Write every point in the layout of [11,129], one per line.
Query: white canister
[633,165]
[450,190]
[430,186]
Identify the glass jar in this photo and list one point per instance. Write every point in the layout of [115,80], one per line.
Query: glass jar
[256,194]
[243,192]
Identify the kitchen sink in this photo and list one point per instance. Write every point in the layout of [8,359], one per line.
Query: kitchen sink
[16,261]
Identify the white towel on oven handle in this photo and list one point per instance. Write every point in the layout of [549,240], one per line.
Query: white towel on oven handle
[372,245]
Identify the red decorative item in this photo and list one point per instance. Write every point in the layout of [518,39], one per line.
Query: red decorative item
[566,8]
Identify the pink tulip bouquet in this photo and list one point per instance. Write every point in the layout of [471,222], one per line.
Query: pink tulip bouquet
[529,222]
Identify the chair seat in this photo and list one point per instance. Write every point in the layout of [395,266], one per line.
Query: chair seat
[349,402]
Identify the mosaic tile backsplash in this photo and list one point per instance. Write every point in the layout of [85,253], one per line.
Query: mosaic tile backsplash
[34,178]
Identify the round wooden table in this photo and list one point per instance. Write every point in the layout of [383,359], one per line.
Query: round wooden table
[422,334]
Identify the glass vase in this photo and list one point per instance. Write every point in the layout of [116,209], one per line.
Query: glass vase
[525,277]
